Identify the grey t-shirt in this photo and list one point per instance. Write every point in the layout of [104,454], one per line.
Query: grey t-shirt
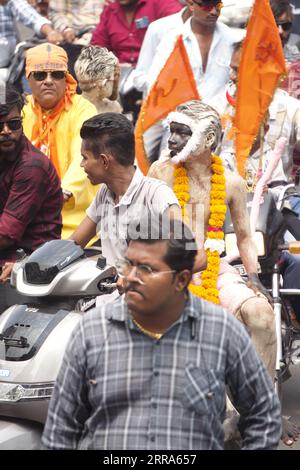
[144,196]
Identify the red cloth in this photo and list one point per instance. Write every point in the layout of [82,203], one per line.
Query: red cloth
[124,40]
[30,201]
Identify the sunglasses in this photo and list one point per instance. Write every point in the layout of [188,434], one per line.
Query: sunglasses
[12,124]
[285,25]
[55,75]
[143,272]
[208,6]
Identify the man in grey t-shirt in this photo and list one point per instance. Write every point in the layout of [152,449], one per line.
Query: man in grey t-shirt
[108,158]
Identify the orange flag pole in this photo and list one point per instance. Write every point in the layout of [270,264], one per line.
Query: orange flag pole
[174,85]
[261,67]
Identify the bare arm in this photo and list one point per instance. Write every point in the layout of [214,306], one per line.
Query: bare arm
[154,172]
[84,232]
[241,222]
[53,36]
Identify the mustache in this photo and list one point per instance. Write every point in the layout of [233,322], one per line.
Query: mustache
[131,288]
[6,139]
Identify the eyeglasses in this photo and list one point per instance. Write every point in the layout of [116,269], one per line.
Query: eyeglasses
[54,74]
[285,25]
[209,5]
[12,124]
[143,272]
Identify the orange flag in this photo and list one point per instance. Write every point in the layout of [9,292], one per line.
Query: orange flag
[262,65]
[174,85]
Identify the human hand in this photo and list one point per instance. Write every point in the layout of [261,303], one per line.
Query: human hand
[6,270]
[54,37]
[257,287]
[66,194]
[69,35]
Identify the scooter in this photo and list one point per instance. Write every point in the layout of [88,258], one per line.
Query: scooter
[64,284]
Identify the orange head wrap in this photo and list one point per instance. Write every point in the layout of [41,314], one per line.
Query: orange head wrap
[49,57]
[46,57]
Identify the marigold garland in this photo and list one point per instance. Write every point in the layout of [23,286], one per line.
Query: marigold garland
[214,244]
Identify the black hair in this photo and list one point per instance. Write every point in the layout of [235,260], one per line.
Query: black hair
[110,132]
[182,250]
[12,99]
[279,7]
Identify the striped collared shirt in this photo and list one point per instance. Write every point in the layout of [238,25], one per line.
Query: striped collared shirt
[120,389]
[19,10]
[75,14]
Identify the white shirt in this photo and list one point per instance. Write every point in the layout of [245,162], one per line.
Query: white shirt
[144,196]
[216,75]
[154,34]
[229,160]
[284,121]
[252,165]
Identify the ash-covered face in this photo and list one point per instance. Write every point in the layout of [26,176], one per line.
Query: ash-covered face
[185,142]
[180,134]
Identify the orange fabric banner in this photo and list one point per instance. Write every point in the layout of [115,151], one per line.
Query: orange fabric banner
[262,65]
[174,85]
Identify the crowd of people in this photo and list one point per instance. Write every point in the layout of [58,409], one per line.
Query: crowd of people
[68,170]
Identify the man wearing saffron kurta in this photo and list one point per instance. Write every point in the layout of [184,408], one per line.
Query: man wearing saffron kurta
[53,118]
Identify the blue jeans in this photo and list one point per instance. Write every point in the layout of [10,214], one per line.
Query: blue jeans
[295,205]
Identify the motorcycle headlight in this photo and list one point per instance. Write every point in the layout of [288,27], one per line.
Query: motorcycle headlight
[11,392]
[231,245]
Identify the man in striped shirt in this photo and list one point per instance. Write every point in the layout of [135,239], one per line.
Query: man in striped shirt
[71,17]
[149,371]
[20,10]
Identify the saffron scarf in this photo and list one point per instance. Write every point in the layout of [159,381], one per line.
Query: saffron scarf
[44,130]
